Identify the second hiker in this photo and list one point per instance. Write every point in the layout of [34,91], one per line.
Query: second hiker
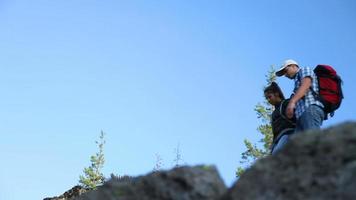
[282,127]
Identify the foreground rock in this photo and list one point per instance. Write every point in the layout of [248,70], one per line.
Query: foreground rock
[319,165]
[70,194]
[183,183]
[313,166]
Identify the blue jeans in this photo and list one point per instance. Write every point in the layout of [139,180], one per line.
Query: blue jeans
[280,142]
[312,118]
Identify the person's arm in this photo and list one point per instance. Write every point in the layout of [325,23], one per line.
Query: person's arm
[302,90]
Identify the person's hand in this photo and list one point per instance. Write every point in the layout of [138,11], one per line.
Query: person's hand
[290,109]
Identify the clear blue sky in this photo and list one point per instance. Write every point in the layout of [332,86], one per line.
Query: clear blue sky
[152,75]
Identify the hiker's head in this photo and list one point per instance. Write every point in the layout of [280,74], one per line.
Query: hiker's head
[289,69]
[273,94]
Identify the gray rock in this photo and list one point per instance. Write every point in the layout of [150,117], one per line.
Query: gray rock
[315,165]
[72,193]
[183,183]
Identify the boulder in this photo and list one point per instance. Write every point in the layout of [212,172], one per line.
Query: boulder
[315,165]
[70,194]
[182,183]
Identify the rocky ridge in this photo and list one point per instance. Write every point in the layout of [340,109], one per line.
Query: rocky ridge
[315,165]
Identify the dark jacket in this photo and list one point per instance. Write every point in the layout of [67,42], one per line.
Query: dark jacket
[280,122]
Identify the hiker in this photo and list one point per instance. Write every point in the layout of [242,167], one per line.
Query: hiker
[282,127]
[308,111]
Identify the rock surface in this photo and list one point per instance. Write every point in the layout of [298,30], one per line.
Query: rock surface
[316,165]
[72,193]
[319,165]
[183,183]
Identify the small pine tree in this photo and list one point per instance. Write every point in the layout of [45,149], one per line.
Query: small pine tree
[264,111]
[159,163]
[92,174]
[178,156]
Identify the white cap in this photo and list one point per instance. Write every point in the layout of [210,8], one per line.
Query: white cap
[286,63]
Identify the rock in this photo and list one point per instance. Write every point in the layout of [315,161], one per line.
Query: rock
[72,193]
[183,183]
[315,165]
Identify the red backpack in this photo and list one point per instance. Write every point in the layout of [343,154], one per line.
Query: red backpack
[330,92]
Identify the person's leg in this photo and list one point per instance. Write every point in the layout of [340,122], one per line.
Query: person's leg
[312,118]
[280,143]
[299,125]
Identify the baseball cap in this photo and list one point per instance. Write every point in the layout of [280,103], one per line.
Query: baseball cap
[281,71]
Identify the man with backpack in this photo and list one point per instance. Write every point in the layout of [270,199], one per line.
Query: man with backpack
[304,104]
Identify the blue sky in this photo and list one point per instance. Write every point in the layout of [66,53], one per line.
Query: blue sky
[152,75]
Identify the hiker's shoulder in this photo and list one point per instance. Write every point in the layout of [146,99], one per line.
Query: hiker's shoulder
[285,103]
[306,71]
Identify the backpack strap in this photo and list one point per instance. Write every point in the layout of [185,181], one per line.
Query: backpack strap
[282,114]
[318,98]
